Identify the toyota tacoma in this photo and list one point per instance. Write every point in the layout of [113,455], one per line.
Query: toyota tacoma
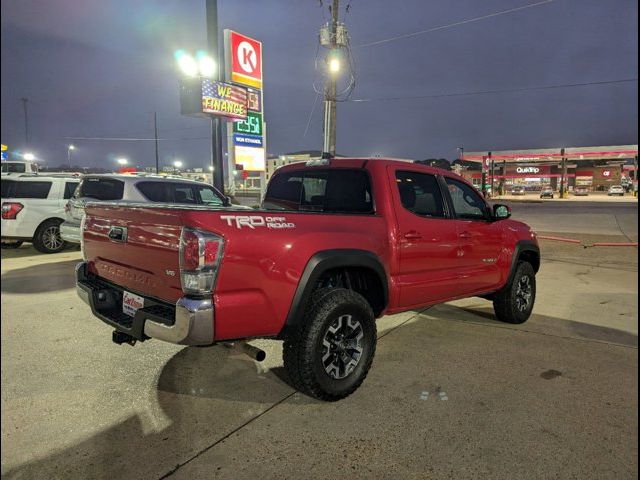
[336,244]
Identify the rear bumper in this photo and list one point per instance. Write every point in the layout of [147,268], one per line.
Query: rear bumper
[70,232]
[188,322]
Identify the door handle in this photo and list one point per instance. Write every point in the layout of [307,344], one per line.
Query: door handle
[412,235]
[465,235]
[118,234]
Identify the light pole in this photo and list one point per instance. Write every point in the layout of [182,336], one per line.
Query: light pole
[70,148]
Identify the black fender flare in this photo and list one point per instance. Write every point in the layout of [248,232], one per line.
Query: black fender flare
[320,263]
[523,246]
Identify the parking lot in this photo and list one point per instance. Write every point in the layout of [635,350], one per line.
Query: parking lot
[452,393]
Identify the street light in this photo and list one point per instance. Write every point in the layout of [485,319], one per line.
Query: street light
[187,64]
[122,161]
[206,64]
[69,149]
[29,156]
[202,64]
[176,165]
[334,65]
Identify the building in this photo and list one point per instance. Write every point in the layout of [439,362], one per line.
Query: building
[595,168]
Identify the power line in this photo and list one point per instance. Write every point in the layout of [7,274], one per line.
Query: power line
[456,24]
[490,92]
[127,139]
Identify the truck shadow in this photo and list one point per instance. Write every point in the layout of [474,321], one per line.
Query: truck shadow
[203,394]
[40,278]
[541,324]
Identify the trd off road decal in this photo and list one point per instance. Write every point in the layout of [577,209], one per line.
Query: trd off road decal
[255,221]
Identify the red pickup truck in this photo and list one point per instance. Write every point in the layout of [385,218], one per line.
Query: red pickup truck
[335,245]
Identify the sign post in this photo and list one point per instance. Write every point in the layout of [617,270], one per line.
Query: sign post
[246,138]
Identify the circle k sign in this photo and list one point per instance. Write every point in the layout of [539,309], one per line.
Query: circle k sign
[245,60]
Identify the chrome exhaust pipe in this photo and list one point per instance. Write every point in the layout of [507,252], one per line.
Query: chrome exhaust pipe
[254,352]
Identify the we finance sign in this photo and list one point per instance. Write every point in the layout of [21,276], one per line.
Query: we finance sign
[224,99]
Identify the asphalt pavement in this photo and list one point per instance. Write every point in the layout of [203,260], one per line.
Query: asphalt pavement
[452,393]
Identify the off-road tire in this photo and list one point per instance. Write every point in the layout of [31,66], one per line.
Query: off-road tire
[505,302]
[41,240]
[303,347]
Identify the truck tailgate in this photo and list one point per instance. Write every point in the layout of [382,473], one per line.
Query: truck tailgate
[143,254]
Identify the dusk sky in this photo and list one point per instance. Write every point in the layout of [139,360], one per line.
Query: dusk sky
[101,68]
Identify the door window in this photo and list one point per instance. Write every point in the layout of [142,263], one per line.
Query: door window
[420,193]
[467,203]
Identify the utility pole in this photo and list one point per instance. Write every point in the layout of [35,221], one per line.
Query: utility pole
[329,143]
[155,131]
[634,185]
[492,176]
[26,121]
[217,157]
[563,175]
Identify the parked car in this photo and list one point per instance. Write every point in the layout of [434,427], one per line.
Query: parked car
[135,188]
[546,193]
[33,209]
[17,167]
[336,244]
[616,190]
[580,191]
[518,190]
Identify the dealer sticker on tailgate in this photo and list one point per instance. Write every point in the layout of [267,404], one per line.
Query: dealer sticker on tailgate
[131,303]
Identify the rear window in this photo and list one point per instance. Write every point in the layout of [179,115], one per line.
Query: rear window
[175,192]
[100,188]
[14,189]
[329,191]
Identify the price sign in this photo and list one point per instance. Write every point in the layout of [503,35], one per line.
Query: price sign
[251,126]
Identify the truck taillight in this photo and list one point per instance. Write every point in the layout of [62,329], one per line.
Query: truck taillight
[200,255]
[10,210]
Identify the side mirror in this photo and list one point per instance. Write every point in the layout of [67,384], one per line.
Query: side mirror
[501,212]
[227,201]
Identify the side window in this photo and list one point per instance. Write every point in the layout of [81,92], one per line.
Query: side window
[69,188]
[467,203]
[32,189]
[208,196]
[420,193]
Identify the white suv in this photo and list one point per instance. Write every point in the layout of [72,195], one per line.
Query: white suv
[135,188]
[33,209]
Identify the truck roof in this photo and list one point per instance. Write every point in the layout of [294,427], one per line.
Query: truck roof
[361,162]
